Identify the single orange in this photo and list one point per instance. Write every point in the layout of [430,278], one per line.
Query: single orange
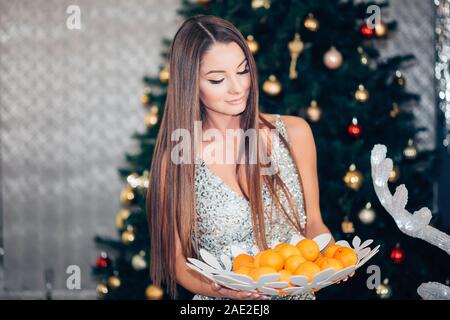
[256,273]
[256,262]
[331,263]
[307,269]
[271,258]
[319,259]
[292,263]
[285,276]
[280,245]
[346,256]
[244,270]
[331,250]
[242,260]
[288,250]
[309,249]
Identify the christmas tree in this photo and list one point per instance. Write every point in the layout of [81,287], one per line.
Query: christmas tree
[317,60]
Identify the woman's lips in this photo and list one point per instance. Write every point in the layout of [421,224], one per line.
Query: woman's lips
[236,101]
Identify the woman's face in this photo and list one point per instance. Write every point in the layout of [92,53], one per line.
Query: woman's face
[224,76]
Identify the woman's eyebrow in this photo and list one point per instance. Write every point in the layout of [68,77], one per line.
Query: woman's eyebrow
[221,71]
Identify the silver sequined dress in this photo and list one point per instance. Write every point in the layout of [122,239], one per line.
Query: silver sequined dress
[224,217]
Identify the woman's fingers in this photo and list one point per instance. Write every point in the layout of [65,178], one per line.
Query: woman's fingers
[215,286]
[345,278]
[246,295]
[237,295]
[243,295]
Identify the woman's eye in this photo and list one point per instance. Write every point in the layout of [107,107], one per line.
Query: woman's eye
[245,71]
[219,81]
[215,81]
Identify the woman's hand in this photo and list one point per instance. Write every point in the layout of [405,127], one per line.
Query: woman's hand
[237,295]
[344,278]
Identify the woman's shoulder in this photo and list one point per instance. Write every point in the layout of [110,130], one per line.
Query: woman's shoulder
[293,124]
[299,132]
[297,129]
[272,118]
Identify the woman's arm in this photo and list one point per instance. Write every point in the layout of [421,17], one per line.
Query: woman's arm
[190,279]
[197,284]
[302,143]
[301,140]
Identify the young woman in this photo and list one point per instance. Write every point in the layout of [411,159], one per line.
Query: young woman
[205,202]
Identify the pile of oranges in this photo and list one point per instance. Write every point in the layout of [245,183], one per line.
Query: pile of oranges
[288,260]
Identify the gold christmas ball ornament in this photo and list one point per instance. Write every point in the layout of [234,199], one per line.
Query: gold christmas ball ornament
[154,109]
[364,58]
[114,282]
[332,58]
[128,235]
[164,74]
[272,86]
[150,119]
[313,111]
[121,217]
[252,44]
[102,290]
[347,226]
[399,78]
[395,110]
[367,214]
[138,261]
[395,174]
[133,180]
[311,23]
[202,1]
[127,195]
[361,95]
[256,4]
[410,152]
[353,178]
[154,292]
[145,99]
[137,181]
[381,29]
[384,290]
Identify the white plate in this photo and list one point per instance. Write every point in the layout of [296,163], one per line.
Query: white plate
[220,270]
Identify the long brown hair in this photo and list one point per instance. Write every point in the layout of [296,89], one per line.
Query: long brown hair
[171,206]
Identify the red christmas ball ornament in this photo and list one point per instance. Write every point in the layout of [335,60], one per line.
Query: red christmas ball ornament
[103,261]
[397,254]
[366,31]
[354,129]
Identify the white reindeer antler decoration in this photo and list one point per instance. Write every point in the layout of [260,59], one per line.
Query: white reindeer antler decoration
[414,225]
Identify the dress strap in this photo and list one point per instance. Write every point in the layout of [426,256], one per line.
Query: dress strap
[281,127]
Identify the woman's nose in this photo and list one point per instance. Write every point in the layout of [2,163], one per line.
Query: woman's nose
[236,86]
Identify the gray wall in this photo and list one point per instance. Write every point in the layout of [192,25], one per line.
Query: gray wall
[69,102]
[415,34]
